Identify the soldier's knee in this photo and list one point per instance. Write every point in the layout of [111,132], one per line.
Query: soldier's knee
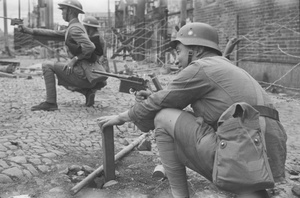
[166,116]
[159,118]
[46,65]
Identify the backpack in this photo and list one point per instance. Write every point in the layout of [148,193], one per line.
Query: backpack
[241,163]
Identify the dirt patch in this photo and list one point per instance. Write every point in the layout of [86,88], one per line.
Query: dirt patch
[133,176]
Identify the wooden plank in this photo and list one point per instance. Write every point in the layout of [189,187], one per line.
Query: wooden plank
[108,153]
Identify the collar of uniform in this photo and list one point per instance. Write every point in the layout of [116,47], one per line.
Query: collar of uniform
[74,20]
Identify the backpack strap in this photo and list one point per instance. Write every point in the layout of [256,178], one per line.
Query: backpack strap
[260,102]
[267,112]
[264,110]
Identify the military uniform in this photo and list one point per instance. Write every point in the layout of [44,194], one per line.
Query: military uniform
[77,43]
[92,23]
[77,72]
[209,85]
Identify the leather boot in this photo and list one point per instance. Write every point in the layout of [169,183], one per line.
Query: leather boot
[45,106]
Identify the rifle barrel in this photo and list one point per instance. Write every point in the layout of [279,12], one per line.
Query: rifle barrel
[109,74]
[5,17]
[135,80]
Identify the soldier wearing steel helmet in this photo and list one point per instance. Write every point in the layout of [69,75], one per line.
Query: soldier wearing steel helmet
[91,25]
[208,83]
[77,73]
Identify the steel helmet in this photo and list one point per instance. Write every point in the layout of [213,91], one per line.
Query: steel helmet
[72,4]
[91,21]
[197,34]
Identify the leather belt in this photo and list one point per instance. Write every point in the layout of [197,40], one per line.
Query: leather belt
[267,112]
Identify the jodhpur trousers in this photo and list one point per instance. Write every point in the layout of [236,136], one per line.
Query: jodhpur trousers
[76,79]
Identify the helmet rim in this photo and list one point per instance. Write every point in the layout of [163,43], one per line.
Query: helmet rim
[190,41]
[91,25]
[88,21]
[64,4]
[197,33]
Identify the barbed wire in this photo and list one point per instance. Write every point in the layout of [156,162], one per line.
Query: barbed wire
[287,53]
[278,48]
[150,39]
[274,83]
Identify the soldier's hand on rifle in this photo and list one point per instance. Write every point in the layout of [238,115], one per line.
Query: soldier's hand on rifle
[69,67]
[25,29]
[142,95]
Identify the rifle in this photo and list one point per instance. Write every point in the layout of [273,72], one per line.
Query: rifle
[131,84]
[14,21]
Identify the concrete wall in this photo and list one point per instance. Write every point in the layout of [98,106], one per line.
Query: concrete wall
[270,30]
[271,72]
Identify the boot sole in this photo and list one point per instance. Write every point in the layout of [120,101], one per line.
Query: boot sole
[51,109]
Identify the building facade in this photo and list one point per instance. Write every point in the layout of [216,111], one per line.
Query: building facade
[270,30]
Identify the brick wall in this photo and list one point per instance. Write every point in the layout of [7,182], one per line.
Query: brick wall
[270,28]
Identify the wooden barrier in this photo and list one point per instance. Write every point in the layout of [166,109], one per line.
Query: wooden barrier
[108,153]
[108,158]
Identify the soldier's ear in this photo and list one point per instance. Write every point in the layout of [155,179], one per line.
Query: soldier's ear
[199,51]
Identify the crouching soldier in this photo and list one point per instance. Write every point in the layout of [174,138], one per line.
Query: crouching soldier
[91,25]
[78,71]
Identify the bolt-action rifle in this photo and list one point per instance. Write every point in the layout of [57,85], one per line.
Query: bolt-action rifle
[132,84]
[14,21]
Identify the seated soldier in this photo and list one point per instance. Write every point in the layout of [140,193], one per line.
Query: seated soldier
[210,84]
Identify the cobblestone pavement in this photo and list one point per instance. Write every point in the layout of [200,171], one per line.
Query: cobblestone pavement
[32,143]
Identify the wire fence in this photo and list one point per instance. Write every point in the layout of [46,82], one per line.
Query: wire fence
[271,47]
[148,42]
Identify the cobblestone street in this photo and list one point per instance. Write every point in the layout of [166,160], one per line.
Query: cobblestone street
[32,144]
[34,139]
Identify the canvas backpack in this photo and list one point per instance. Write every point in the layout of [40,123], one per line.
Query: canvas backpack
[241,163]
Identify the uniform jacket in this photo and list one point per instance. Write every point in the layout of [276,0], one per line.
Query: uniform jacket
[210,85]
[77,43]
